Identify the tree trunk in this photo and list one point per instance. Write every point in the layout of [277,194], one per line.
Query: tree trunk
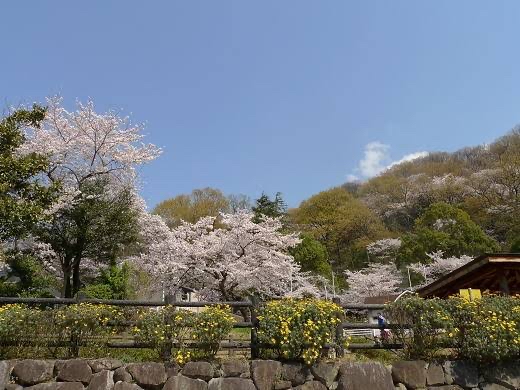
[67,287]
[76,283]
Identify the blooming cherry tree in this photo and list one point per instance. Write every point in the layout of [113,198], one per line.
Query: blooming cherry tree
[372,281]
[227,257]
[438,266]
[94,158]
[84,144]
[385,249]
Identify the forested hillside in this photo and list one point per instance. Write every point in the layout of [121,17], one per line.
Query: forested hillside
[463,204]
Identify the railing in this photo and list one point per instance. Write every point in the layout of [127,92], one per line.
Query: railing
[253,344]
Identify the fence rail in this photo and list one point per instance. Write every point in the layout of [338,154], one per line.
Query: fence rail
[253,344]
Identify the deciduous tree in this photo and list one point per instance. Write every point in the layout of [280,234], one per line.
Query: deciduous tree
[227,262]
[94,158]
[372,281]
[343,224]
[23,197]
[444,228]
[192,207]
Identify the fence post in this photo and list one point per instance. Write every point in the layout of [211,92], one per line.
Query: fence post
[74,337]
[167,351]
[255,348]
[340,349]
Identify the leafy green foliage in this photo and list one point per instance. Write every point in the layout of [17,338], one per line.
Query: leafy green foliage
[46,331]
[99,225]
[23,199]
[170,331]
[264,206]
[341,223]
[444,228]
[312,256]
[427,320]
[113,283]
[34,281]
[298,329]
[486,330]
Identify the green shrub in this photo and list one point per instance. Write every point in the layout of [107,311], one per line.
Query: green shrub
[298,329]
[170,331]
[486,330]
[420,326]
[210,327]
[83,324]
[19,325]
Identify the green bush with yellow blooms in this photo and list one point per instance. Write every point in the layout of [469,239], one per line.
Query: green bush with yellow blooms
[183,334]
[54,332]
[298,329]
[484,330]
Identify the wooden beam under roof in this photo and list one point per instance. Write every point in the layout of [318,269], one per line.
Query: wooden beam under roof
[485,272]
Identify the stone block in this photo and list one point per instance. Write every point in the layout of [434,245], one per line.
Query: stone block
[493,386]
[5,373]
[31,372]
[181,382]
[121,375]
[13,386]
[461,372]
[282,385]
[505,374]
[103,380]
[126,386]
[98,365]
[364,376]
[410,373]
[70,386]
[75,370]
[435,375]
[265,373]
[325,372]
[235,367]
[296,373]
[231,384]
[312,385]
[44,386]
[148,375]
[198,370]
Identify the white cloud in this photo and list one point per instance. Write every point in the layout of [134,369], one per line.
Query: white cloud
[376,159]
[408,157]
[376,153]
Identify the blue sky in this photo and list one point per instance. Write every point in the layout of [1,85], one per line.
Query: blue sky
[274,95]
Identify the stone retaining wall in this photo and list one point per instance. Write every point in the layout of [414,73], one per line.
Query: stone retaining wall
[108,374]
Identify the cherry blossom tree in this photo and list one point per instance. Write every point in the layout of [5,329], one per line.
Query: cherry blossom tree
[84,144]
[385,249]
[226,260]
[372,281]
[94,158]
[438,266]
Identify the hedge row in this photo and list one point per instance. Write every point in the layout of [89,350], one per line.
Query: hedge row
[295,329]
[486,330]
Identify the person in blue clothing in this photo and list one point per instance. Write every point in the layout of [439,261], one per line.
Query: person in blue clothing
[385,333]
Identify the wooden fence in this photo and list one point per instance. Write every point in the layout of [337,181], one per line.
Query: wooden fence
[253,344]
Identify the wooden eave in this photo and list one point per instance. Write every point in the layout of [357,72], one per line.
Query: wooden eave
[498,272]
